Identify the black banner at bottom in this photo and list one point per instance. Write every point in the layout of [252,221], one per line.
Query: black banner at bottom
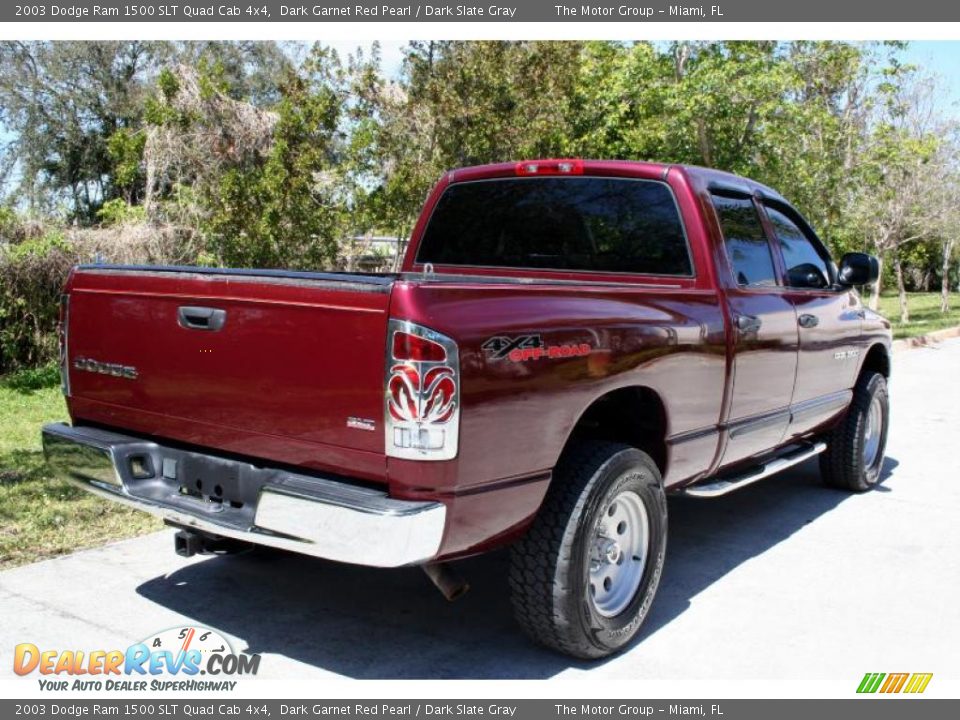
[872,708]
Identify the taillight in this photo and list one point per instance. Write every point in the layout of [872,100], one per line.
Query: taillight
[550,167]
[62,344]
[407,346]
[422,404]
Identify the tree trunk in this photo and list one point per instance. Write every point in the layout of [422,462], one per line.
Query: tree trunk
[703,140]
[874,302]
[945,276]
[680,56]
[901,290]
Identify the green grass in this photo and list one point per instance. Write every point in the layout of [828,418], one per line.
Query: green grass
[925,316]
[41,517]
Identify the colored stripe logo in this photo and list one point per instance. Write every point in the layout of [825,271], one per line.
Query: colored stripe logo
[913,683]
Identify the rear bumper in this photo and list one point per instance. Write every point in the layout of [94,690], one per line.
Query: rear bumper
[267,506]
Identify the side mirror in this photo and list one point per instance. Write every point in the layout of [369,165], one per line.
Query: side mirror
[858,269]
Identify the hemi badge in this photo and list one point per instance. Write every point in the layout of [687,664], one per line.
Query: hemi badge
[361,424]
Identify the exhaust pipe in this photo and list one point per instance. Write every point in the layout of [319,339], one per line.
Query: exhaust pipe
[447,580]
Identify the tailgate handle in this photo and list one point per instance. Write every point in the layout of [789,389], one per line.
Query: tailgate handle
[201,318]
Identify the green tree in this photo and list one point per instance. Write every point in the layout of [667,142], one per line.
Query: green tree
[250,71]
[462,103]
[901,198]
[286,208]
[66,100]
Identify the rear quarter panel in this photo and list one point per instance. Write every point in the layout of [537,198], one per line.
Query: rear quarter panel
[517,416]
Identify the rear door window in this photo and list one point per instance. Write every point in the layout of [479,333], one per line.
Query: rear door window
[569,223]
[745,241]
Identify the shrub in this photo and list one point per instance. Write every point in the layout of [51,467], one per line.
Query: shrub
[30,379]
[118,212]
[284,209]
[31,275]
[33,270]
[8,223]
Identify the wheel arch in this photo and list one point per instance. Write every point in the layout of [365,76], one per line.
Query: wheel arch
[634,415]
[877,359]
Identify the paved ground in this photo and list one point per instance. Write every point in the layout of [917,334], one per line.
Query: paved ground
[785,579]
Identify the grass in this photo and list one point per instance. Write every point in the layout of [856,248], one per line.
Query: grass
[925,316]
[41,517]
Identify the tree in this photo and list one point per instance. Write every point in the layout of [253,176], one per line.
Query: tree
[187,133]
[78,111]
[816,138]
[66,101]
[461,103]
[792,115]
[249,71]
[949,197]
[948,246]
[903,199]
[195,132]
[285,207]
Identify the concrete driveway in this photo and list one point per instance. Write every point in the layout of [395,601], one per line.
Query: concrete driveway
[783,580]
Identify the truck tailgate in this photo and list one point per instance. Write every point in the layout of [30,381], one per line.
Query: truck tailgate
[287,366]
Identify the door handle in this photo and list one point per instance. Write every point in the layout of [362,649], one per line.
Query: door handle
[201,318]
[748,323]
[808,321]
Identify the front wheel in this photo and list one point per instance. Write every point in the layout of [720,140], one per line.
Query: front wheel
[855,448]
[583,578]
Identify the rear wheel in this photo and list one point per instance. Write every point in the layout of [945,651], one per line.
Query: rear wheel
[584,576]
[856,447]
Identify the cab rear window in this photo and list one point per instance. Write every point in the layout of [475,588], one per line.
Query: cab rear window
[570,223]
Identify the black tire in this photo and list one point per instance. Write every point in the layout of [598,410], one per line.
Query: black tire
[843,464]
[550,567]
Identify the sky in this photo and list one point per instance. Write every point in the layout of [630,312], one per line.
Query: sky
[941,58]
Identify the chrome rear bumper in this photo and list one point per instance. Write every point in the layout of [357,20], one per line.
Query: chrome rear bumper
[267,506]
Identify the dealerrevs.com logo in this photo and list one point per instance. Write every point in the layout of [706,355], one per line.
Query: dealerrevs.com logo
[174,659]
[887,683]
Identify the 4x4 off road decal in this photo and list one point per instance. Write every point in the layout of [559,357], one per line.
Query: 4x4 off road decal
[530,347]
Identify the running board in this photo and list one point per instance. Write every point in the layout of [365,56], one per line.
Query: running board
[717,488]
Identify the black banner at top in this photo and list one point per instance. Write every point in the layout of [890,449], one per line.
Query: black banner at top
[261,11]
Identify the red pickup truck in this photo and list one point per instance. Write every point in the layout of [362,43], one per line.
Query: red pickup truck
[567,342]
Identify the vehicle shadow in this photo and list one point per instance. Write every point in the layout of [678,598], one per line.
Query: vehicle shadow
[711,537]
[392,624]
